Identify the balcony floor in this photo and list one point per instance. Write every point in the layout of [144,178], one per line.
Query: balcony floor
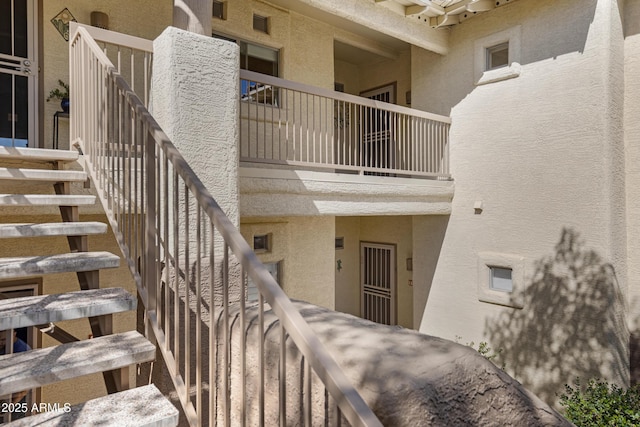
[280,192]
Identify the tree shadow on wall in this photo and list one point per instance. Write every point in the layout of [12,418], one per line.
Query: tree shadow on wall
[572,323]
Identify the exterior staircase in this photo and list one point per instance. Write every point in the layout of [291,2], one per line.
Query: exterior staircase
[111,354]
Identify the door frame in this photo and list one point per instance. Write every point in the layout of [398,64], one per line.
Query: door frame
[34,112]
[393,291]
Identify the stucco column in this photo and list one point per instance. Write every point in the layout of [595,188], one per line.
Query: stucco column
[194,94]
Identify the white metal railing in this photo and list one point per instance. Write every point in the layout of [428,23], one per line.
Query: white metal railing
[132,57]
[289,123]
[163,215]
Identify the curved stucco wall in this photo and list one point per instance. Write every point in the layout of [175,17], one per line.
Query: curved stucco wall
[543,155]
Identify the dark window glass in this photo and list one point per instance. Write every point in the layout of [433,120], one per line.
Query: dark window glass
[218,9]
[20,10]
[5,28]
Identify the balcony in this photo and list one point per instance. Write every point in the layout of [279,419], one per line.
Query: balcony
[310,151]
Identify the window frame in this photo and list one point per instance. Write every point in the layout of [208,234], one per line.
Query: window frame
[485,291]
[490,51]
[244,46]
[485,75]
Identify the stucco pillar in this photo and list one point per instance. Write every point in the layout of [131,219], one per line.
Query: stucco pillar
[194,98]
[194,94]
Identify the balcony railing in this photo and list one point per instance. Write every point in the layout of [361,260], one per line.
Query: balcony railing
[163,215]
[289,123]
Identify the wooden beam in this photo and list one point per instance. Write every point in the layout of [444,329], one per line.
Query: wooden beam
[444,20]
[481,5]
[414,10]
[429,10]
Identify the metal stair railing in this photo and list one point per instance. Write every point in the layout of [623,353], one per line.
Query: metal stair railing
[167,224]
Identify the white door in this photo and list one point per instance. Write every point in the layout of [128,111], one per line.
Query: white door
[378,282]
[18,73]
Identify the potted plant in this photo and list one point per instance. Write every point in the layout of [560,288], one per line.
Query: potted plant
[62,95]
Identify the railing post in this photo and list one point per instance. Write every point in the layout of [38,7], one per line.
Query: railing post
[150,259]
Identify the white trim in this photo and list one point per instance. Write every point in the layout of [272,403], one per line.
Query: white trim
[514,69]
[486,260]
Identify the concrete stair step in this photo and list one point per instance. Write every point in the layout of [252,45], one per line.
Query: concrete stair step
[45,200]
[42,309]
[36,368]
[51,229]
[20,174]
[37,154]
[12,268]
[138,407]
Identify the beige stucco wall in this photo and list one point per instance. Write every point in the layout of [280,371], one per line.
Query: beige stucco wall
[348,290]
[305,246]
[543,153]
[359,78]
[145,18]
[394,230]
[632,152]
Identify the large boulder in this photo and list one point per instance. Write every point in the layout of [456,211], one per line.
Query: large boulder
[407,378]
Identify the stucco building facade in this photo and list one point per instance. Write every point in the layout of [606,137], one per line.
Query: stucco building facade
[529,241]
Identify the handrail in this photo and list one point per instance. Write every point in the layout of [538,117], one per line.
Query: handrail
[339,96]
[150,179]
[297,125]
[132,55]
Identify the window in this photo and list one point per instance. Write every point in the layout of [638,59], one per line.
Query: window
[501,279]
[263,60]
[261,23]
[497,56]
[339,242]
[252,290]
[262,243]
[219,9]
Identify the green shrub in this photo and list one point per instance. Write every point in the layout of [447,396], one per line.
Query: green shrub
[485,351]
[601,404]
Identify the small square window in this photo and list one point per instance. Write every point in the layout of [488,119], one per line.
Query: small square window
[498,56]
[262,243]
[219,9]
[261,23]
[339,242]
[500,279]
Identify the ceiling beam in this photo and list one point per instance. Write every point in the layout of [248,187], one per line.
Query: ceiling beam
[381,19]
[429,10]
[444,20]
[481,5]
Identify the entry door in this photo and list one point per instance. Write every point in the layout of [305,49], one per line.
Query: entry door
[377,130]
[18,73]
[378,282]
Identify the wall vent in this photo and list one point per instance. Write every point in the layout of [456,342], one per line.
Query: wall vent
[261,23]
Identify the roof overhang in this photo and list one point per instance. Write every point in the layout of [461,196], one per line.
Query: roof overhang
[417,22]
